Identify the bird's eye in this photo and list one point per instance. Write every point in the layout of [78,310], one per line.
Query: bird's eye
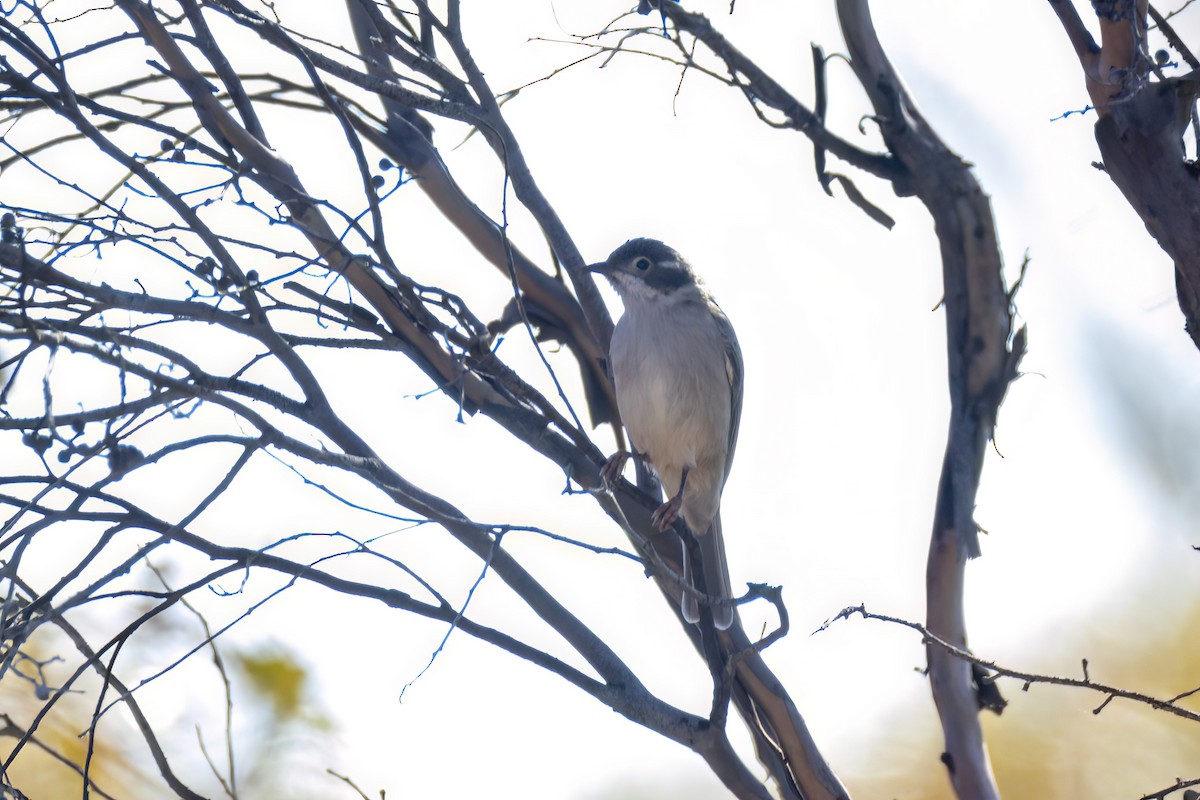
[642,263]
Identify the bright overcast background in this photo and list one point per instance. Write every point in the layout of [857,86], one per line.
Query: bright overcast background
[842,430]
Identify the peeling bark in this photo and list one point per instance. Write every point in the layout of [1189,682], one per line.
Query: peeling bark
[1140,134]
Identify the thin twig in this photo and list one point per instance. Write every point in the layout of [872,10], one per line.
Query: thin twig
[1029,678]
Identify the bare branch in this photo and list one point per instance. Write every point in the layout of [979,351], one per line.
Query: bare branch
[1029,678]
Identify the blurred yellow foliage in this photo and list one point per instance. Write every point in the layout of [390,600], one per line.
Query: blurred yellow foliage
[277,678]
[1049,744]
[50,764]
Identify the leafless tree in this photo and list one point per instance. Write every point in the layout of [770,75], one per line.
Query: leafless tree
[178,348]
[186,135]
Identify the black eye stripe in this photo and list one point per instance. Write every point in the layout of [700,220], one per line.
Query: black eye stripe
[642,263]
[668,278]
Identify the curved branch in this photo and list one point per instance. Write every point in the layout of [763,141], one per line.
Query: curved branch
[983,351]
[768,91]
[980,362]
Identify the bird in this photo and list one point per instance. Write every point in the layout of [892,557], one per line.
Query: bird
[678,373]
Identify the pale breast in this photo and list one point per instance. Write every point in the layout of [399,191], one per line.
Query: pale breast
[672,387]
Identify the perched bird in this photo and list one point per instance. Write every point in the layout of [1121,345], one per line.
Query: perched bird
[678,373]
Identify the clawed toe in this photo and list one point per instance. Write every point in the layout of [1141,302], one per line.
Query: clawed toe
[610,473]
[665,515]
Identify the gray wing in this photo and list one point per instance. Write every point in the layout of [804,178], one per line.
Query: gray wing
[733,370]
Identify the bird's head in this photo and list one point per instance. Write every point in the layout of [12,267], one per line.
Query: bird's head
[645,268]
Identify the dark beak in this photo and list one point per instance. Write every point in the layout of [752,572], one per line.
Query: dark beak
[602,267]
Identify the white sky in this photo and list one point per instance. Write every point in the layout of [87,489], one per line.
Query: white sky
[845,407]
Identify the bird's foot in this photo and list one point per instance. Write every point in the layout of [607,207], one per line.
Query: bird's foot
[665,515]
[610,473]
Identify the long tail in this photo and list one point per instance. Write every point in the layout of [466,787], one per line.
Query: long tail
[716,577]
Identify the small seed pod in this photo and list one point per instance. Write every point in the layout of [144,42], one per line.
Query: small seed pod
[122,458]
